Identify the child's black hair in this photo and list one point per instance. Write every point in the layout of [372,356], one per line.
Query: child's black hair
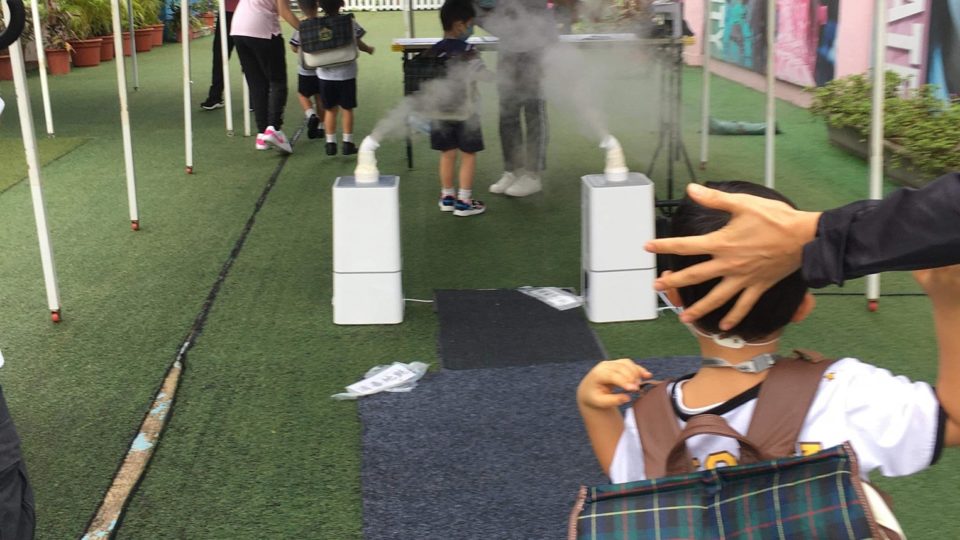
[775,307]
[331,7]
[308,5]
[454,11]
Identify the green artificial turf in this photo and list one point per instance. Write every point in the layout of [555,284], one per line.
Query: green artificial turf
[15,163]
[255,447]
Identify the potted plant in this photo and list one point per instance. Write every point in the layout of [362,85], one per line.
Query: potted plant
[142,30]
[207,10]
[195,24]
[56,36]
[88,25]
[921,132]
[151,18]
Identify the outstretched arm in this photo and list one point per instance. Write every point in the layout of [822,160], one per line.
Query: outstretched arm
[283,9]
[364,47]
[767,240]
[599,405]
[942,285]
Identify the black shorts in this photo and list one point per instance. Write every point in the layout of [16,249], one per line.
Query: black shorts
[465,135]
[341,94]
[308,85]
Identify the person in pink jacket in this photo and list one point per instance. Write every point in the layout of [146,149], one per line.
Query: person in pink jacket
[256,33]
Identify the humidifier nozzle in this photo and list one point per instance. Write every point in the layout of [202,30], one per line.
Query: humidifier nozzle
[366,171]
[616,166]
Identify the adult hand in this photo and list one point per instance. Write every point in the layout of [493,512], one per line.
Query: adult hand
[762,244]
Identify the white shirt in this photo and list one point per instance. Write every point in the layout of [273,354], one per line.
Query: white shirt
[295,40]
[893,424]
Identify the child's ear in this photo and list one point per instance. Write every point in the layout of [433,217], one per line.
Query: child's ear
[804,309]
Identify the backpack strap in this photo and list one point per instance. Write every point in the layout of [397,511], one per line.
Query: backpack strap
[658,428]
[785,398]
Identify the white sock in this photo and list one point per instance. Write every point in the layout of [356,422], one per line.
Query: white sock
[465,195]
[348,137]
[309,112]
[447,192]
[331,137]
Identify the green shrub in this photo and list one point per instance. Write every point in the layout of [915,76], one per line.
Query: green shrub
[925,127]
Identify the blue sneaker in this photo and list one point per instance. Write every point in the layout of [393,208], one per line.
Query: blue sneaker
[463,208]
[447,203]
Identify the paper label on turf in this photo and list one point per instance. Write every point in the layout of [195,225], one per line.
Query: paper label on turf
[395,375]
[552,296]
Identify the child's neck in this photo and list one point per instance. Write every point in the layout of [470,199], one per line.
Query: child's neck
[450,35]
[718,384]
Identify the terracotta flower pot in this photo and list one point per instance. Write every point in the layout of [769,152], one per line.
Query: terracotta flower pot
[143,39]
[127,50]
[157,34]
[86,52]
[6,68]
[209,19]
[58,61]
[106,48]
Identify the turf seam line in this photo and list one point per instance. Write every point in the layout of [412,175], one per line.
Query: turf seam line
[131,471]
[54,160]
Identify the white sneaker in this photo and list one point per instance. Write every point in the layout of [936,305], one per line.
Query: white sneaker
[261,144]
[525,185]
[276,138]
[505,181]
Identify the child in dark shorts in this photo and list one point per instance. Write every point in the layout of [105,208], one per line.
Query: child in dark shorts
[338,89]
[452,135]
[308,85]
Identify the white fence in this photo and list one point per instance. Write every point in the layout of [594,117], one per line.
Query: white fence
[389,5]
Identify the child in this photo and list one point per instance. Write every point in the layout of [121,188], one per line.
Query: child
[449,136]
[895,426]
[308,85]
[338,90]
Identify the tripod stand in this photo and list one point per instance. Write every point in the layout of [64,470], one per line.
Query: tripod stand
[670,60]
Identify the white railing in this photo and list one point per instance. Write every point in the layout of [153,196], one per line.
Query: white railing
[389,5]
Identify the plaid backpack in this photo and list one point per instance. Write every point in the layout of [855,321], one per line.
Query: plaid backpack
[328,41]
[771,494]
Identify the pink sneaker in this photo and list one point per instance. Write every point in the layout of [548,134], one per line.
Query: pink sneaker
[276,138]
[261,144]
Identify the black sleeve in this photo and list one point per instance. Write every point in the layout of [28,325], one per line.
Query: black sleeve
[908,230]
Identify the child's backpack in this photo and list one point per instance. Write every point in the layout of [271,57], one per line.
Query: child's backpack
[771,494]
[443,90]
[328,41]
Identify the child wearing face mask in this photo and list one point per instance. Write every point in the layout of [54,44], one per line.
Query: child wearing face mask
[896,427]
[451,134]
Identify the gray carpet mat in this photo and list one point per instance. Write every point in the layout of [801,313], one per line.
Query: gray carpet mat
[482,453]
[504,327]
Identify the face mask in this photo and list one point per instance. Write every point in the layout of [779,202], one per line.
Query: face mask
[467,33]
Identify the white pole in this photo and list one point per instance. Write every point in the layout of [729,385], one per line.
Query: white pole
[246,108]
[225,56]
[187,119]
[42,61]
[705,92]
[133,47]
[771,92]
[876,128]
[33,170]
[125,117]
[408,17]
